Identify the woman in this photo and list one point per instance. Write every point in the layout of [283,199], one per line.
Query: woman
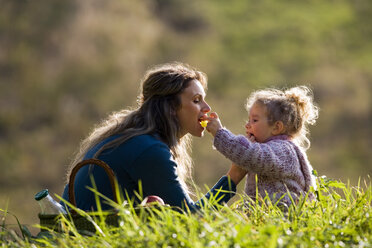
[150,143]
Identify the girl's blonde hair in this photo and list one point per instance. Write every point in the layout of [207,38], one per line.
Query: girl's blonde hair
[294,107]
[158,103]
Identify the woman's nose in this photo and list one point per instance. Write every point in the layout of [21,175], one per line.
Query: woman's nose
[206,108]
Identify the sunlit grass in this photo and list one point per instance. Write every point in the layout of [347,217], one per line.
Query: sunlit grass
[340,217]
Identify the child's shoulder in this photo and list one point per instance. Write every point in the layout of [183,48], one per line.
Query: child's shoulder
[281,143]
[281,137]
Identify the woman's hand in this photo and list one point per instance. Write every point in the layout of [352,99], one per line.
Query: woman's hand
[214,123]
[236,173]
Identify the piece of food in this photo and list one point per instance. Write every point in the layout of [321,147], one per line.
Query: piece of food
[204,123]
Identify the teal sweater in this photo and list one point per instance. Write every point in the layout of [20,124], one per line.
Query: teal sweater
[142,158]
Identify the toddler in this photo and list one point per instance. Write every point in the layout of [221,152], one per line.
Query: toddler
[275,143]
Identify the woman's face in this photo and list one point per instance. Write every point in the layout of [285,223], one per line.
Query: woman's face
[193,107]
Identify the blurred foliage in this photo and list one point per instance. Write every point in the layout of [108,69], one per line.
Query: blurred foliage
[64,65]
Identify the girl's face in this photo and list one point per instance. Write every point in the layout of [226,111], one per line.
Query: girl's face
[258,125]
[193,107]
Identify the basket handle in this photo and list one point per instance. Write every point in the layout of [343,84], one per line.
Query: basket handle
[74,171]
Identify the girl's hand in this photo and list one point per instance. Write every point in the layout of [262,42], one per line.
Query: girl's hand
[236,173]
[214,123]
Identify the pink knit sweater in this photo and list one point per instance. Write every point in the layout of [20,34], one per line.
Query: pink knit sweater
[278,163]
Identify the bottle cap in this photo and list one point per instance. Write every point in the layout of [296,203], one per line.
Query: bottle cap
[41,194]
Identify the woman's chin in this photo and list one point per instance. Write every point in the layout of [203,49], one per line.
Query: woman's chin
[202,132]
[198,133]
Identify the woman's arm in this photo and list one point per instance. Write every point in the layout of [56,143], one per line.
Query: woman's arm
[236,173]
[157,172]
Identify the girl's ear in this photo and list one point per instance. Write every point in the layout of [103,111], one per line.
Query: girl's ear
[278,128]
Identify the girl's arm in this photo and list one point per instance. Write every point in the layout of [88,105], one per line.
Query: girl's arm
[272,159]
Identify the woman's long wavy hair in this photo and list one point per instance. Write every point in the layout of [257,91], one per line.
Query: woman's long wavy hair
[158,103]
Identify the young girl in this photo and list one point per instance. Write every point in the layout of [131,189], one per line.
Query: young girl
[275,144]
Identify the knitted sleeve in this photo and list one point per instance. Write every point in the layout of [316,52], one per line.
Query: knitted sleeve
[273,159]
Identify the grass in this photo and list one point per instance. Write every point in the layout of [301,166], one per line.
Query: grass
[340,217]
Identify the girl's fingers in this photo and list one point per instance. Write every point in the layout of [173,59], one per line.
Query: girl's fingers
[213,115]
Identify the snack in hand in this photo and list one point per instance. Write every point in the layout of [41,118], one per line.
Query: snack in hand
[204,123]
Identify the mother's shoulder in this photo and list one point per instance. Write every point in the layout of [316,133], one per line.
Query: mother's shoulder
[146,148]
[144,141]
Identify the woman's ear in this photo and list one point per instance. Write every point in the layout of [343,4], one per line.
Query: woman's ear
[278,128]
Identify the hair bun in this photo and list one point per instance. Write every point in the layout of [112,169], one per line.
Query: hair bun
[302,96]
[294,98]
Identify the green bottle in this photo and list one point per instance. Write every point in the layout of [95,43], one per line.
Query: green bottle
[47,204]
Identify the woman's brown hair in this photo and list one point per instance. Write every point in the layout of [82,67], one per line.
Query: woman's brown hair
[158,103]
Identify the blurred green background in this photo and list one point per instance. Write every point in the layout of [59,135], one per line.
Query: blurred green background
[64,65]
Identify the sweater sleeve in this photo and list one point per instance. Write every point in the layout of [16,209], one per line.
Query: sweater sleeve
[157,172]
[271,159]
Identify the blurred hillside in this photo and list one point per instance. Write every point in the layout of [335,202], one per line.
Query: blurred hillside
[64,65]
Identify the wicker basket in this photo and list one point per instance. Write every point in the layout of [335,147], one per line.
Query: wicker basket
[82,223]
